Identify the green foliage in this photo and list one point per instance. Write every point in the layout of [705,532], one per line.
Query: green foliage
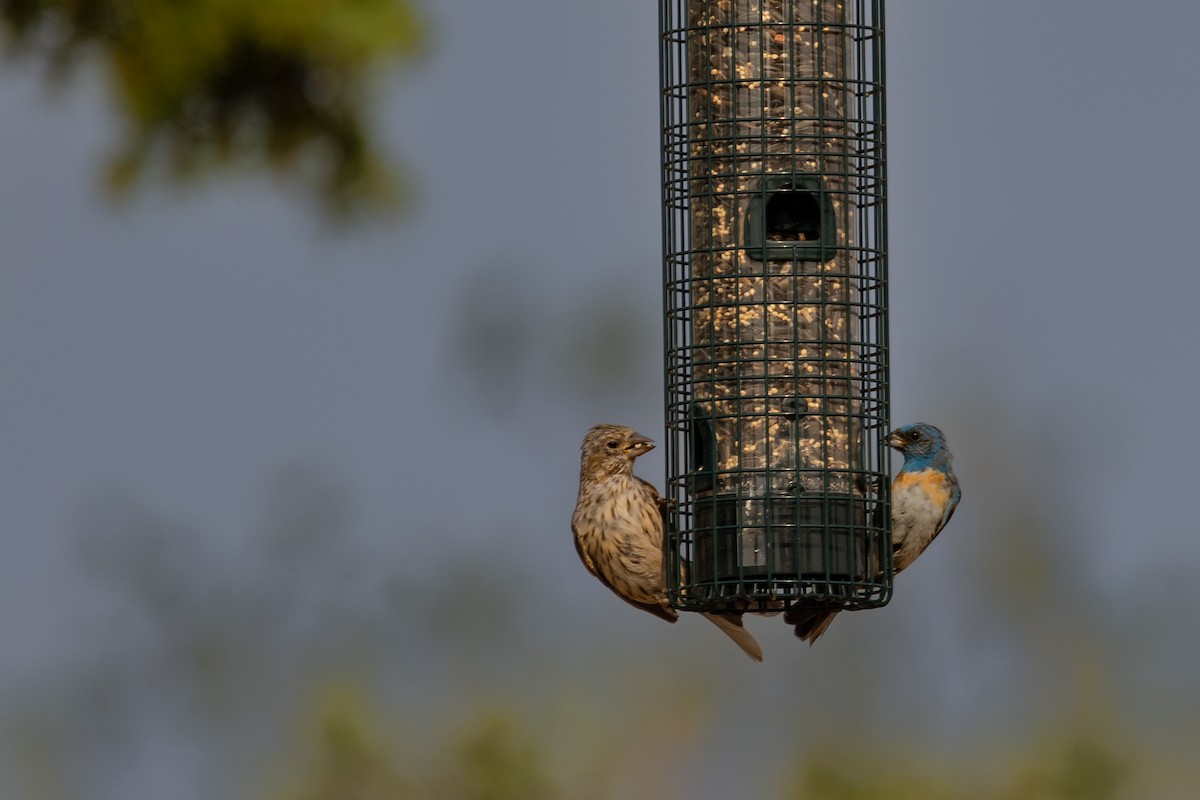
[1073,766]
[349,755]
[1080,768]
[215,83]
[495,759]
[842,775]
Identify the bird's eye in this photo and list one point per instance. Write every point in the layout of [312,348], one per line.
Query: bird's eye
[611,444]
[914,436]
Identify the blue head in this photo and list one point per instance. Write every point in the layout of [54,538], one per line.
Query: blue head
[923,446]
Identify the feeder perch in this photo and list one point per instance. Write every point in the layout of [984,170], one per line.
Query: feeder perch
[774,240]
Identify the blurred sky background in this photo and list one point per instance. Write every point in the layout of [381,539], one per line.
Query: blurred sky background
[250,461]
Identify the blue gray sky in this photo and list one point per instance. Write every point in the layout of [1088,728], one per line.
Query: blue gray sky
[180,351]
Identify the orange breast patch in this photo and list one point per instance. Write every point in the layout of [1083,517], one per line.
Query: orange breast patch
[930,482]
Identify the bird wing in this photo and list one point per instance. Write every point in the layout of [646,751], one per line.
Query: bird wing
[587,561]
[663,504]
[659,500]
[955,496]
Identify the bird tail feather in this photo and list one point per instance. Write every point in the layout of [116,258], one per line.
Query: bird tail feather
[731,625]
[810,623]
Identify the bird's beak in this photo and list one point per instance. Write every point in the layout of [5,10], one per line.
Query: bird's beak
[895,441]
[639,445]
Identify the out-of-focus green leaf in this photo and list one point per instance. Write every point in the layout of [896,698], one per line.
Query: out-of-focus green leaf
[495,759]
[1067,766]
[348,756]
[205,84]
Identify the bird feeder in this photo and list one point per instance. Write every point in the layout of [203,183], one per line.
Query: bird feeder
[774,238]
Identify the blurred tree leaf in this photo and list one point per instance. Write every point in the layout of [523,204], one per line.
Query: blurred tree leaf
[202,84]
[1078,768]
[843,775]
[1067,764]
[349,755]
[348,758]
[495,759]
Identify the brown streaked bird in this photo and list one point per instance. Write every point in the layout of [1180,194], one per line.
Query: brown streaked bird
[924,496]
[618,526]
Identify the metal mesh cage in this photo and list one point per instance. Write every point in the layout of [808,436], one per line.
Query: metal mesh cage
[775,275]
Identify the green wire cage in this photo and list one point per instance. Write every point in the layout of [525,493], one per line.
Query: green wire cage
[774,232]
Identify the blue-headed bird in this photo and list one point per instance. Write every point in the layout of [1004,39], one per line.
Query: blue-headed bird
[924,496]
